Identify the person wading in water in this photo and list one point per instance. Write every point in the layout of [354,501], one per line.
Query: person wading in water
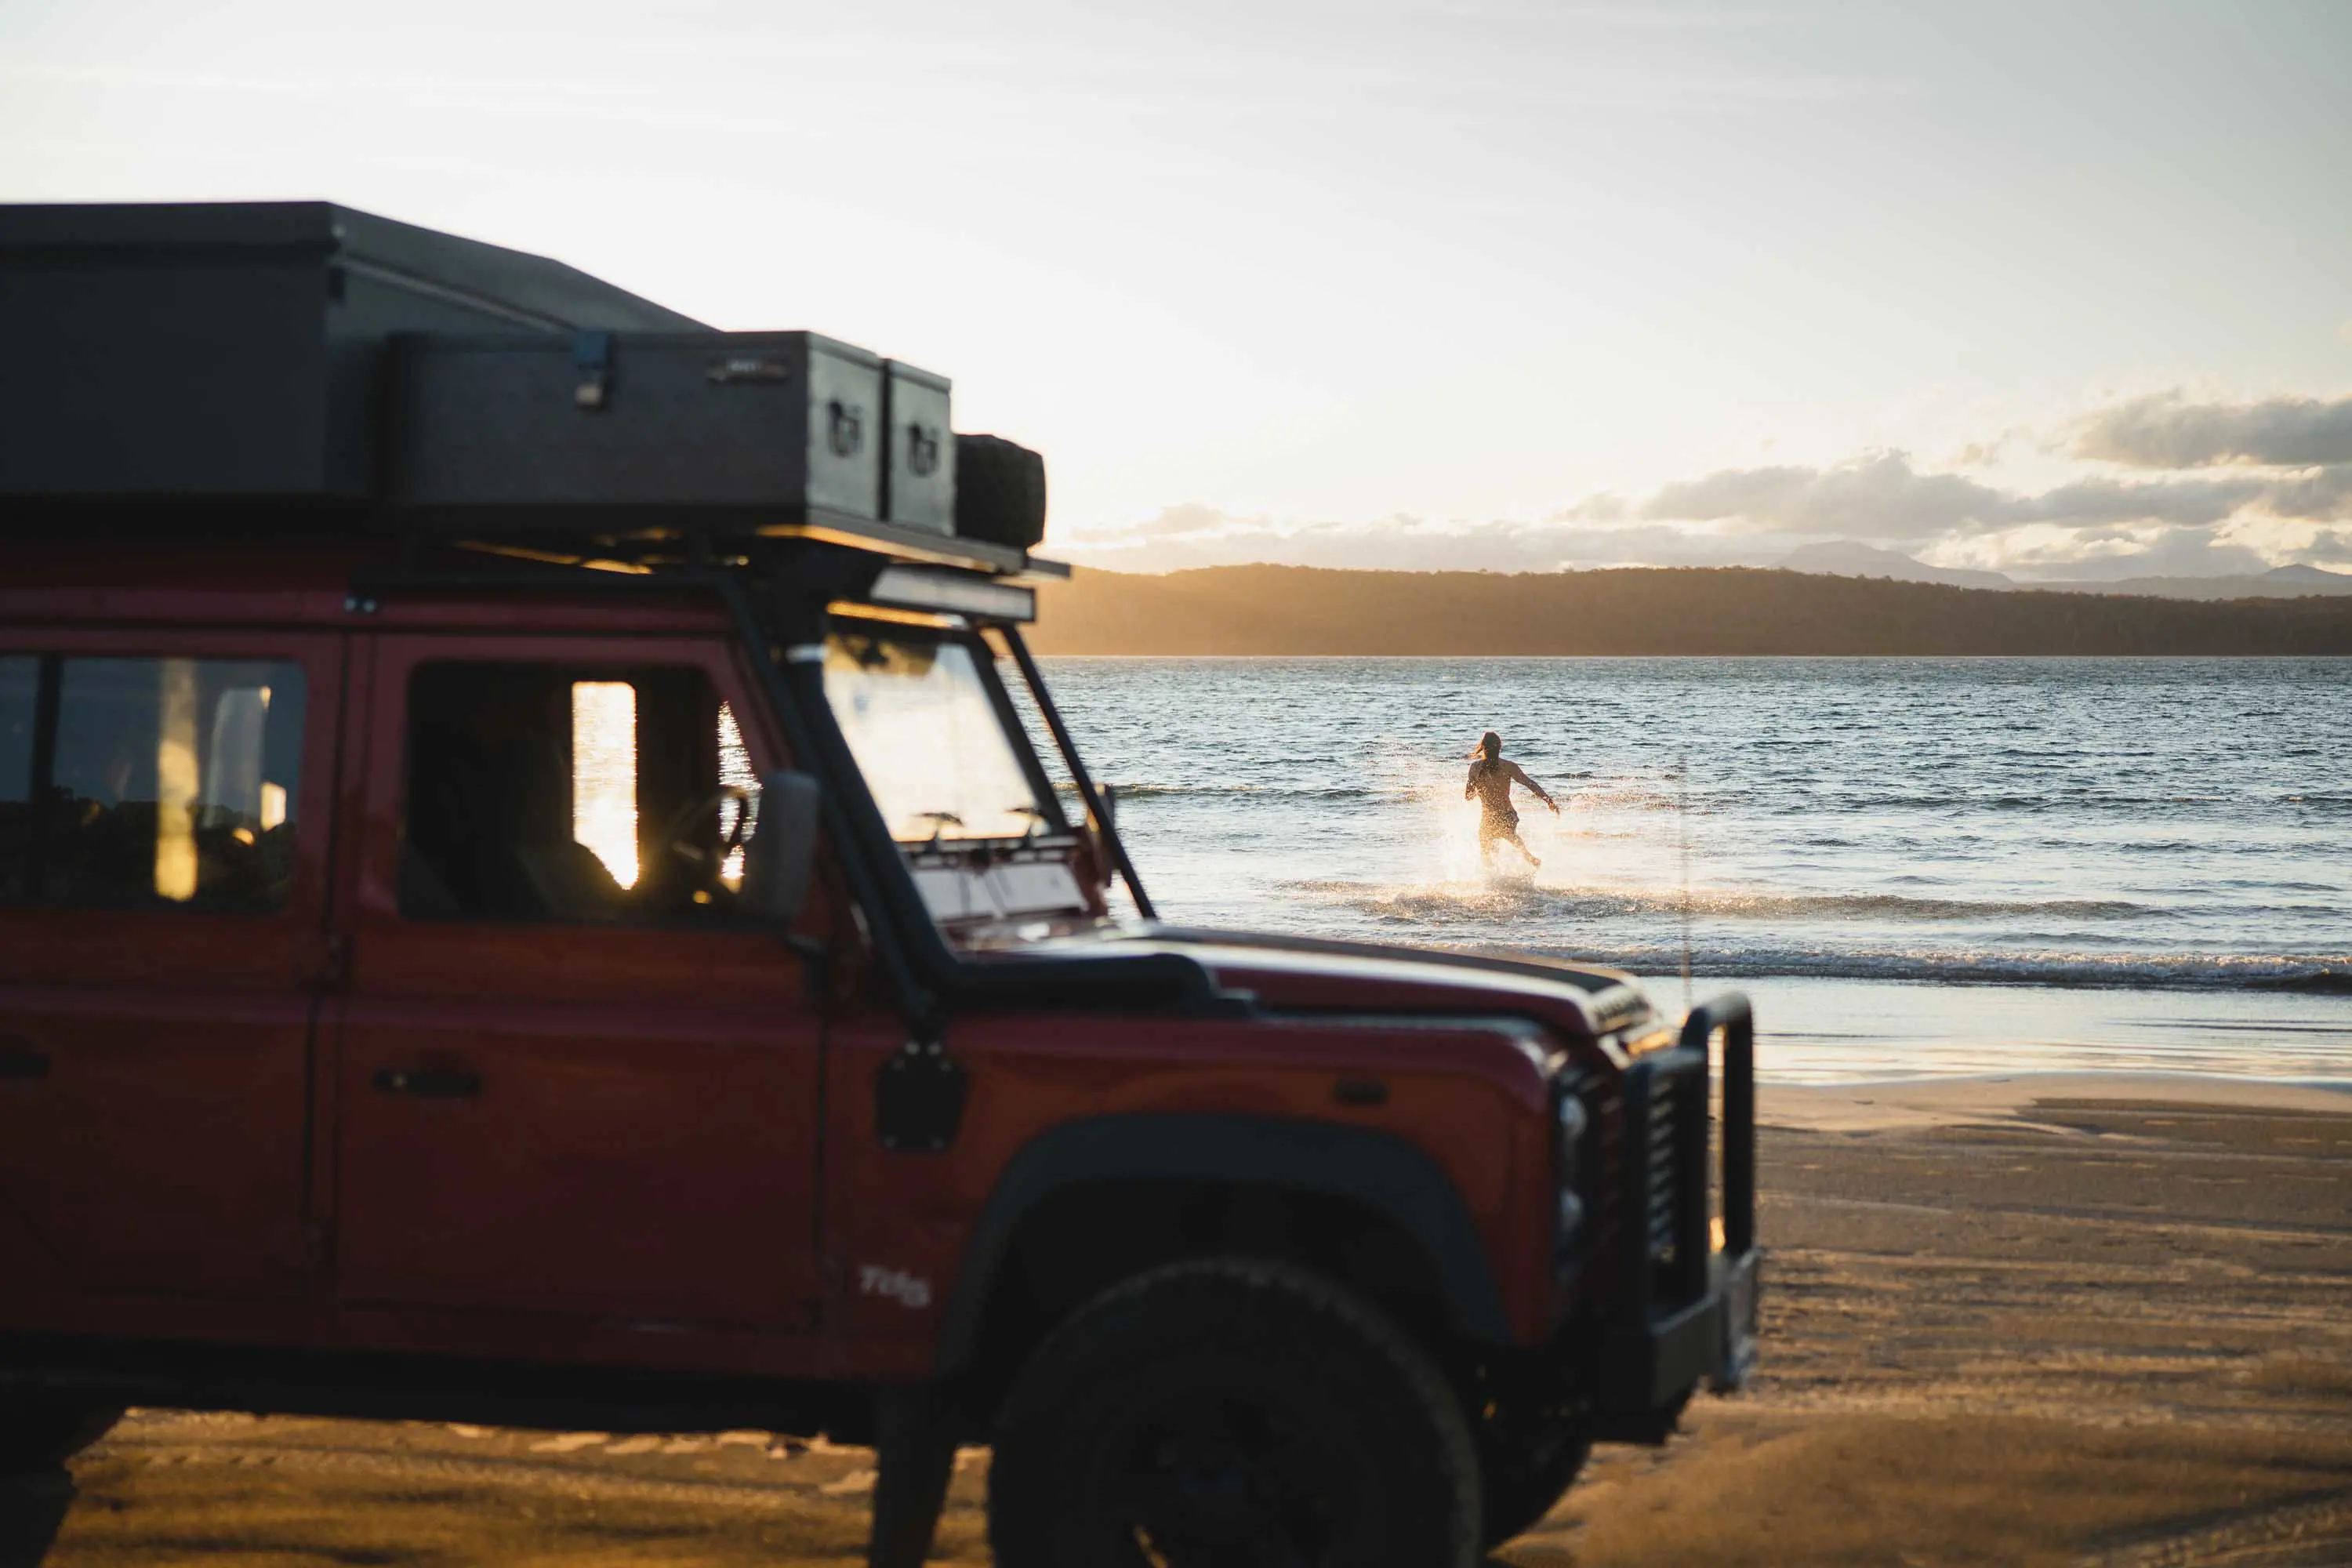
[1490,785]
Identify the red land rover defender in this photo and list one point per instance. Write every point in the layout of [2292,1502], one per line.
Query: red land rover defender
[539,883]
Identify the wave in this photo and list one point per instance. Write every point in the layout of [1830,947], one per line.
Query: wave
[2318,977]
[1851,803]
[2305,975]
[1442,900]
[1526,915]
[2318,802]
[1768,802]
[1132,792]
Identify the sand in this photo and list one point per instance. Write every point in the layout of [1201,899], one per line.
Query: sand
[2028,1319]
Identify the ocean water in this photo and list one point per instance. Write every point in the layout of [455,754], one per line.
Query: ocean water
[1912,865]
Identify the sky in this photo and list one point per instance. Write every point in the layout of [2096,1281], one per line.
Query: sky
[2060,289]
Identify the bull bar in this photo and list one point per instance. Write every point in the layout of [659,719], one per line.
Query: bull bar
[1684,1310]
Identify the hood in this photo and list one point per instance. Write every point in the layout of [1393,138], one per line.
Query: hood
[1584,1005]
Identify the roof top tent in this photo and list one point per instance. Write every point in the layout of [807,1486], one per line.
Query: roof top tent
[304,367]
[220,351]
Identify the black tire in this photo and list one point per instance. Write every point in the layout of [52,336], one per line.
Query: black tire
[1527,1472]
[39,1431]
[1232,1412]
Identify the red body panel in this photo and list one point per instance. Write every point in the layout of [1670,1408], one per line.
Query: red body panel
[1462,1096]
[163,1157]
[672,1159]
[642,1147]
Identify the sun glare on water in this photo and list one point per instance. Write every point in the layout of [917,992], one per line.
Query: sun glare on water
[1609,842]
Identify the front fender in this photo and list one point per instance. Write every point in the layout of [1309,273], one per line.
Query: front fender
[1375,1169]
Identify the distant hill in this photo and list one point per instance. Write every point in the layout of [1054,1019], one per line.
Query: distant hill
[1843,558]
[1299,610]
[2278,582]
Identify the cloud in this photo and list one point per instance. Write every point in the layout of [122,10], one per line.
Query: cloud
[1606,506]
[2112,554]
[2182,523]
[1879,496]
[1179,521]
[2322,496]
[1415,545]
[2188,502]
[2164,432]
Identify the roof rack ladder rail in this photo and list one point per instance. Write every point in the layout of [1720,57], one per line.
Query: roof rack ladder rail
[1101,819]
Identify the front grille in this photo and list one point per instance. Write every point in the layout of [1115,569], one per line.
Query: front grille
[1665,1168]
[1669,1133]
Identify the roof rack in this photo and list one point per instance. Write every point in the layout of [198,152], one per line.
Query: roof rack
[839,560]
[302,369]
[651,548]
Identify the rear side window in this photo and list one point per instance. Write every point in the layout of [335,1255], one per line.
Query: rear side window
[155,781]
[537,792]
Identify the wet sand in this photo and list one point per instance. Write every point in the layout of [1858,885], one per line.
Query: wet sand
[2027,1320]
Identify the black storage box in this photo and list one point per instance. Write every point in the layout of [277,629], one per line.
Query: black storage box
[229,352]
[919,474]
[707,429]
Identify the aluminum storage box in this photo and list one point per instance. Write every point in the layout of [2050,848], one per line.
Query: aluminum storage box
[675,430]
[919,475]
[209,352]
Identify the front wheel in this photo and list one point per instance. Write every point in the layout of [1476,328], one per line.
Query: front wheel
[40,1430]
[1528,1471]
[1232,1411]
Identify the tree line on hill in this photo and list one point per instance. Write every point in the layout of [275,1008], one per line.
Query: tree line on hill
[1300,610]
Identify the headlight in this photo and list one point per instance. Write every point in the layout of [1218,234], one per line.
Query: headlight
[1572,1219]
[1568,1147]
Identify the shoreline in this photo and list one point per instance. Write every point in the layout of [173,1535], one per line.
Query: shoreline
[1826,1032]
[2005,1099]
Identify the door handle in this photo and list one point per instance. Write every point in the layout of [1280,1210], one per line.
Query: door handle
[21,1060]
[429,1083]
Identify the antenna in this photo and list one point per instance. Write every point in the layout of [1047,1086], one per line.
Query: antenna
[1682,824]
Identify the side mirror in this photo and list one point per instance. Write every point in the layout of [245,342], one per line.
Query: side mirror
[778,859]
[1108,794]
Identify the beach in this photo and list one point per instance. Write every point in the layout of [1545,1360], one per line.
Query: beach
[2035,1319]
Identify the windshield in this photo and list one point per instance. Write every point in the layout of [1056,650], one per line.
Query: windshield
[929,736]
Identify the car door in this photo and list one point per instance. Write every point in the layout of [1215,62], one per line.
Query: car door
[572,1084]
[163,834]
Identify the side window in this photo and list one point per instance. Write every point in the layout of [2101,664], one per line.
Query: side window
[161,782]
[537,792]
